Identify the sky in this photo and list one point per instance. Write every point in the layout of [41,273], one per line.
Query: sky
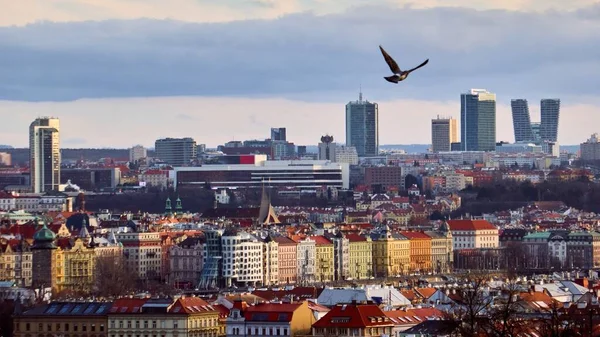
[125,72]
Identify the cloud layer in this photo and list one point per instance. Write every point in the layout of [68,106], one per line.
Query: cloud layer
[307,56]
[27,11]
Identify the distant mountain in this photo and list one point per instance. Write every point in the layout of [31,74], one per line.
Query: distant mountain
[5,146]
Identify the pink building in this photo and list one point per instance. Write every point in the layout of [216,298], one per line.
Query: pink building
[288,260]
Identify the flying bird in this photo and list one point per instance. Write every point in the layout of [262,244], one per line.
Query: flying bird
[399,75]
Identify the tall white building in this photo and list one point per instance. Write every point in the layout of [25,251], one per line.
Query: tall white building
[242,258]
[306,254]
[44,154]
[137,152]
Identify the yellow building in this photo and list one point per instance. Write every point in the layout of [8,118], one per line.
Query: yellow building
[75,268]
[401,216]
[73,319]
[324,258]
[187,316]
[400,255]
[360,256]
[391,253]
[15,262]
[420,251]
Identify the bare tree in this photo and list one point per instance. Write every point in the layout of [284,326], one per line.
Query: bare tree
[505,320]
[113,278]
[474,306]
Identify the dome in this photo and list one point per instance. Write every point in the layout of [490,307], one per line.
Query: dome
[44,238]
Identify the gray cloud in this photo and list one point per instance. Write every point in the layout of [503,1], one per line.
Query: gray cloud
[303,56]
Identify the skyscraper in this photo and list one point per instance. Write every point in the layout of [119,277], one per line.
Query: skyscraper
[362,127]
[443,134]
[44,154]
[176,151]
[521,121]
[478,120]
[550,111]
[278,134]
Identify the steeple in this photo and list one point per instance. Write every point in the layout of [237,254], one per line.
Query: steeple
[178,207]
[267,212]
[84,234]
[168,208]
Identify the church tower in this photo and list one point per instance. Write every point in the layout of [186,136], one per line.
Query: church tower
[44,258]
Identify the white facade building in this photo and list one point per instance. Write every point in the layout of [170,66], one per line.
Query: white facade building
[137,152]
[242,258]
[306,253]
[470,234]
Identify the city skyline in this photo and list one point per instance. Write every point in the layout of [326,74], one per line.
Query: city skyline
[179,65]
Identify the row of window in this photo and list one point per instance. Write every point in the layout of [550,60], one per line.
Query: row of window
[57,327]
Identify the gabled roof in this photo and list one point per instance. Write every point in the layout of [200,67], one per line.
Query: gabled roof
[354,316]
[320,240]
[271,312]
[415,235]
[191,305]
[128,306]
[470,225]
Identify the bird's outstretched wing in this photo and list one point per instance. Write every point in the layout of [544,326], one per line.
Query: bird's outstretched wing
[390,61]
[393,79]
[419,66]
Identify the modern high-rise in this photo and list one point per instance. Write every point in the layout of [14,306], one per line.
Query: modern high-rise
[362,127]
[44,154]
[137,152]
[278,134]
[550,111]
[521,121]
[478,120]
[443,134]
[176,151]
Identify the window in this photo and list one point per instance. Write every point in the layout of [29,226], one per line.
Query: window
[101,327]
[93,328]
[27,327]
[175,324]
[75,327]
[153,324]
[120,324]
[84,327]
[145,324]
[49,327]
[112,324]
[128,324]
[66,326]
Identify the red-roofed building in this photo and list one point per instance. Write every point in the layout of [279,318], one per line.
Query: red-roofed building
[186,316]
[420,250]
[155,178]
[366,320]
[469,234]
[406,319]
[274,319]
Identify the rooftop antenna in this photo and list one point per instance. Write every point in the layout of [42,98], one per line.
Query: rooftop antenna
[360,92]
